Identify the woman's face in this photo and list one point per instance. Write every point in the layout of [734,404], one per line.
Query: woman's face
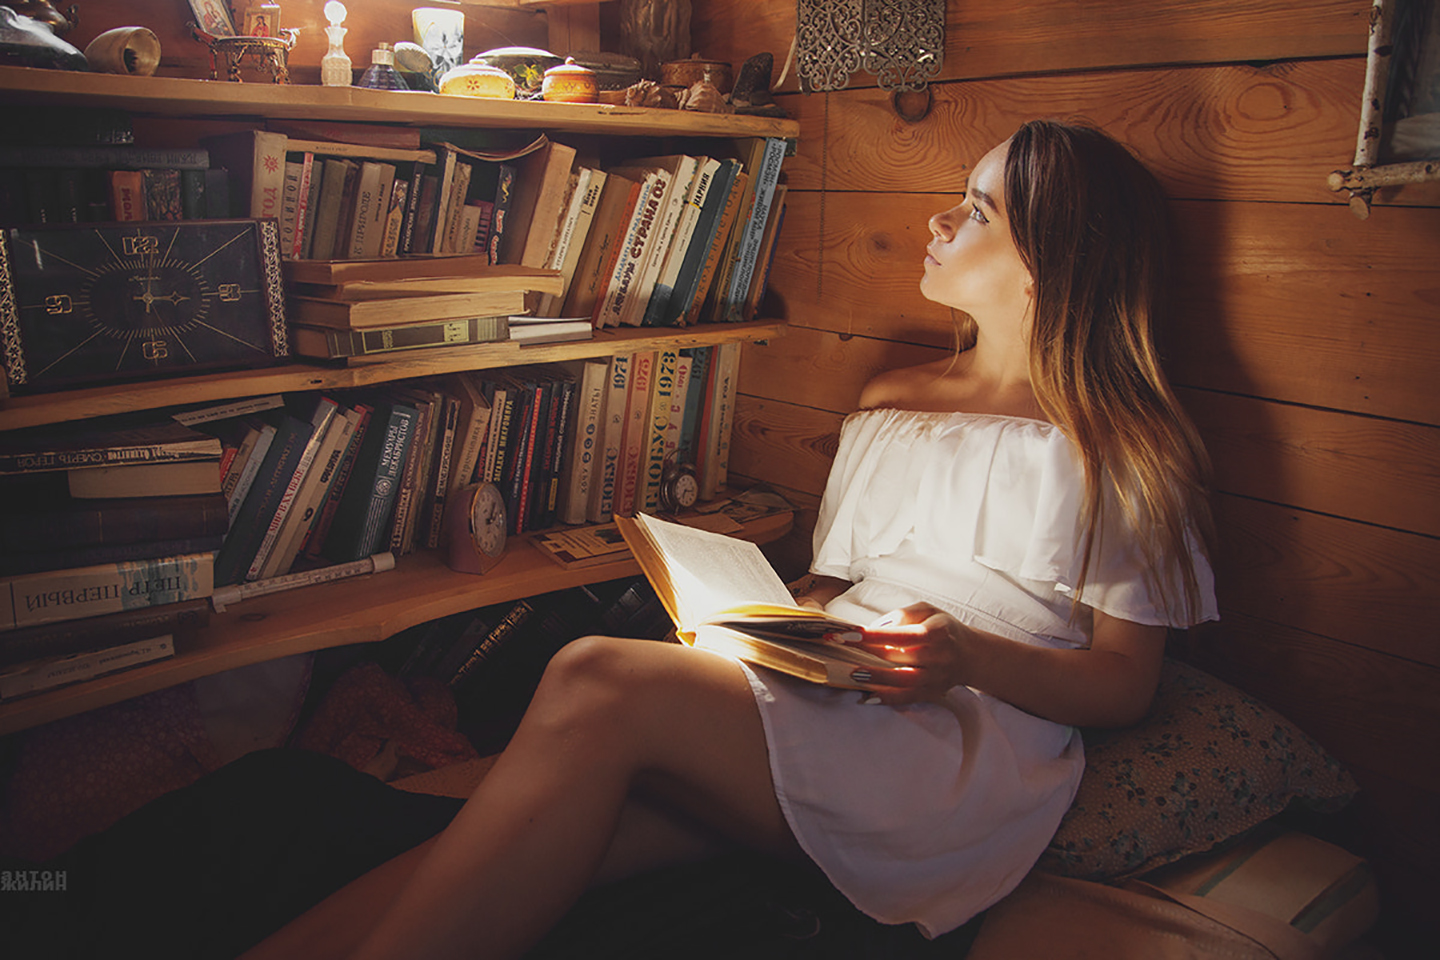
[971,263]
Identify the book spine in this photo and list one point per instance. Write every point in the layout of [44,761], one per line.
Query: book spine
[658,308]
[617,390]
[395,218]
[162,194]
[496,638]
[245,477]
[585,441]
[327,217]
[716,254]
[117,157]
[268,175]
[111,522]
[311,209]
[500,212]
[366,220]
[435,499]
[302,206]
[290,207]
[192,194]
[414,466]
[632,450]
[36,598]
[412,207]
[748,252]
[523,460]
[657,247]
[717,459]
[50,674]
[624,278]
[92,633]
[261,500]
[683,367]
[319,424]
[556,448]
[127,196]
[657,426]
[308,499]
[88,556]
[315,541]
[471,429]
[398,442]
[501,413]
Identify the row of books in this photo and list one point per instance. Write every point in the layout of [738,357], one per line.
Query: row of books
[339,201]
[40,185]
[669,240]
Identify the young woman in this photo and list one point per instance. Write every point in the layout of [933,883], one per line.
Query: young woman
[1021,523]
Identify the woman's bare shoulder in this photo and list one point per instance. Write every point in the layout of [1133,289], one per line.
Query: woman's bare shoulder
[906,387]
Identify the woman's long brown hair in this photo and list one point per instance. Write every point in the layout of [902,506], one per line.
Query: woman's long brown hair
[1091,225]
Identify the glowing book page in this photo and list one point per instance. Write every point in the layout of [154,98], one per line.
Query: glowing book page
[710,572]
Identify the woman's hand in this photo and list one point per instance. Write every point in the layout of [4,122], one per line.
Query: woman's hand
[926,646]
[814,591]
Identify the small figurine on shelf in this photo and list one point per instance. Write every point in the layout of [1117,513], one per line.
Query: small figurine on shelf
[335,65]
[382,74]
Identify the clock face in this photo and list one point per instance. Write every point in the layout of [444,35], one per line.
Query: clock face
[487,520]
[96,302]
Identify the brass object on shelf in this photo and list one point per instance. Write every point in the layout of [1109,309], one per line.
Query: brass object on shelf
[269,55]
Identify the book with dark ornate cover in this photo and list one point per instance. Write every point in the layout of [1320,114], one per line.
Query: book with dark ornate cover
[252,520]
[362,518]
[102,442]
[70,594]
[723,595]
[489,642]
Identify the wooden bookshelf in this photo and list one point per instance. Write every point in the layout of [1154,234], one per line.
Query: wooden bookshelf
[421,587]
[176,97]
[59,407]
[359,610]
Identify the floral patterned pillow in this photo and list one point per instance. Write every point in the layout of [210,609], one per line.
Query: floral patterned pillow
[1205,765]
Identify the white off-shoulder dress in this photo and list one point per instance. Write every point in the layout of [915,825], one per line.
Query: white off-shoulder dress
[930,813]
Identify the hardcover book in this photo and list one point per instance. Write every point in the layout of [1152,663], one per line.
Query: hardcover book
[47,674]
[396,311]
[723,595]
[362,518]
[106,441]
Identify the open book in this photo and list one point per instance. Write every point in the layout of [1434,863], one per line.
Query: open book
[724,596]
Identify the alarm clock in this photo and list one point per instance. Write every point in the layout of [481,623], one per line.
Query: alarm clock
[85,303]
[472,538]
[679,489]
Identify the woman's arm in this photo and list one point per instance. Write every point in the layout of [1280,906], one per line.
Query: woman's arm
[814,590]
[1108,684]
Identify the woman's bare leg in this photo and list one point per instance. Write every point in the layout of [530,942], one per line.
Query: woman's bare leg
[610,716]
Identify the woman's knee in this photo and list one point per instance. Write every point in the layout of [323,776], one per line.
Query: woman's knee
[589,680]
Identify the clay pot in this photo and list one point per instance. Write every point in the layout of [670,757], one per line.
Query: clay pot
[130,50]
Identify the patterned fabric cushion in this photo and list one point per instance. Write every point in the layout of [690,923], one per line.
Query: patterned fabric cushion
[1206,764]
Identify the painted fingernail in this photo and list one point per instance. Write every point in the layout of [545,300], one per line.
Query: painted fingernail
[860,676]
[871,700]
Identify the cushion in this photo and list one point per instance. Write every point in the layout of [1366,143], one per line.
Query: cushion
[1205,765]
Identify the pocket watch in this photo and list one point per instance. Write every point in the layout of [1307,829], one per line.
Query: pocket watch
[473,529]
[94,302]
[679,489]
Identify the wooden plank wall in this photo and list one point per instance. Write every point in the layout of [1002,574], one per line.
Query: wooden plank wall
[1307,342]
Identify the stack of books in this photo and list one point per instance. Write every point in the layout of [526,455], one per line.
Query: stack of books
[364,310]
[109,529]
[105,182]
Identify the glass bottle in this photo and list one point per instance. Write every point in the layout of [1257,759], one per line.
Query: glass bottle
[335,65]
[382,74]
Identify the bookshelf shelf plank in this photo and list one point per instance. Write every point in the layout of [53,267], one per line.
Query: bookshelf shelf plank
[359,610]
[174,96]
[46,408]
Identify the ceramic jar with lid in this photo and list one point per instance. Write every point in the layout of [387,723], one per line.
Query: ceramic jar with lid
[476,79]
[570,83]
